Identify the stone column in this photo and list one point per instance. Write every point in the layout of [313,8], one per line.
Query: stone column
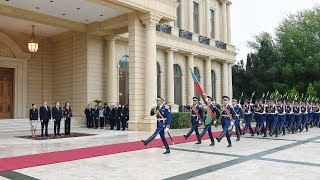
[224,21]
[150,21]
[230,79]
[184,14]
[111,70]
[207,72]
[229,23]
[190,86]
[170,76]
[190,15]
[207,17]
[225,79]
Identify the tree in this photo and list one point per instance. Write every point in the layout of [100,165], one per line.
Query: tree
[293,95]
[311,93]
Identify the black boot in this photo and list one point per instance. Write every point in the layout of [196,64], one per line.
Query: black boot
[221,136]
[146,142]
[188,134]
[165,143]
[229,141]
[199,140]
[212,142]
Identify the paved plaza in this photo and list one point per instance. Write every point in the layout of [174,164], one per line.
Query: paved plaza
[287,157]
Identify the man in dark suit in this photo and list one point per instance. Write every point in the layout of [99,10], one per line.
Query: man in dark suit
[118,116]
[45,116]
[89,116]
[57,116]
[112,117]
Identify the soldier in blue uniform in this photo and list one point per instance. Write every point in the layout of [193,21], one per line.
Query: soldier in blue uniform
[163,123]
[290,117]
[196,117]
[215,108]
[317,113]
[297,117]
[282,118]
[262,115]
[257,109]
[305,116]
[248,111]
[273,112]
[227,123]
[239,116]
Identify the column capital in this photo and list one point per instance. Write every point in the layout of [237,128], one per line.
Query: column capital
[228,3]
[111,38]
[209,58]
[150,20]
[191,55]
[170,50]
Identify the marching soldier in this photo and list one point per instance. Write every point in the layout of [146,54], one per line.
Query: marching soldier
[317,113]
[227,123]
[273,112]
[282,118]
[215,108]
[304,114]
[297,117]
[262,116]
[196,117]
[238,117]
[163,123]
[248,111]
[290,117]
[257,109]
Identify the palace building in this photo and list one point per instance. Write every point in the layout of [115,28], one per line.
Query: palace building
[126,51]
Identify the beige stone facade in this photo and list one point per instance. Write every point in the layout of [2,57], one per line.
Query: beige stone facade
[79,61]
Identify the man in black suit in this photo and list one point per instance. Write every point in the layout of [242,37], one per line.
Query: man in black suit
[112,117]
[57,116]
[118,116]
[45,116]
[89,116]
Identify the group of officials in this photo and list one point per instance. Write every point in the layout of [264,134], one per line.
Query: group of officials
[272,117]
[101,116]
[46,113]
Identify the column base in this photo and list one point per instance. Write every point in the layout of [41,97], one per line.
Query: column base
[147,124]
[174,108]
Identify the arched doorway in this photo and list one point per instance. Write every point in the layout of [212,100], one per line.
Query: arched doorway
[158,79]
[124,80]
[197,74]
[177,84]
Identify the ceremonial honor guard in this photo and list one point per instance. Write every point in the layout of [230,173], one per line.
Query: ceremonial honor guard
[273,111]
[297,117]
[227,123]
[282,118]
[317,113]
[305,116]
[196,117]
[257,109]
[248,111]
[262,116]
[163,123]
[290,117]
[238,117]
[215,108]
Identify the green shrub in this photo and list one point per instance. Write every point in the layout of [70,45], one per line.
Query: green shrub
[180,120]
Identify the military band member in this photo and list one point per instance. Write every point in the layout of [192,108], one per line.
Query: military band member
[239,115]
[163,123]
[215,108]
[248,111]
[196,117]
[227,123]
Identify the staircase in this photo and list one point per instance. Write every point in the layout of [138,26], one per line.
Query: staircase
[9,125]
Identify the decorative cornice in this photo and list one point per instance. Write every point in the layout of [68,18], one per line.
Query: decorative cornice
[150,20]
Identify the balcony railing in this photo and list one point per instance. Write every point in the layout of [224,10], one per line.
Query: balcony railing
[204,40]
[185,34]
[164,28]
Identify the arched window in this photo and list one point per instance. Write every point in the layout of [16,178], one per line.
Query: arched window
[158,79]
[124,80]
[213,84]
[197,74]
[177,84]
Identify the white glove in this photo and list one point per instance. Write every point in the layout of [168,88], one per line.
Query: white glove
[232,123]
[240,122]
[214,122]
[167,129]
[199,122]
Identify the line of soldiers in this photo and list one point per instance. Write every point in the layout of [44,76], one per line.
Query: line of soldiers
[271,116]
[100,116]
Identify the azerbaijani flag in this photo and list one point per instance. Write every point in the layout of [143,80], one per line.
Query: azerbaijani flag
[204,97]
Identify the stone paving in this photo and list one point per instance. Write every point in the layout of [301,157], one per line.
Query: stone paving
[294,156]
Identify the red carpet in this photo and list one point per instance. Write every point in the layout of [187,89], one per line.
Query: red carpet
[19,162]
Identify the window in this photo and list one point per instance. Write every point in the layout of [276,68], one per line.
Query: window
[158,79]
[212,23]
[197,74]
[213,84]
[177,84]
[177,23]
[124,80]
[195,17]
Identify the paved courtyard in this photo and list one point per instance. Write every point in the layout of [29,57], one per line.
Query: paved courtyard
[294,156]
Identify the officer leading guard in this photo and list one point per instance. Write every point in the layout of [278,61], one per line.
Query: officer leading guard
[163,123]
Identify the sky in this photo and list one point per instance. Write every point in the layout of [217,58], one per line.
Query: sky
[250,17]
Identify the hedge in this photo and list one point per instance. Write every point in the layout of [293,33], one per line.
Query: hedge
[180,120]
